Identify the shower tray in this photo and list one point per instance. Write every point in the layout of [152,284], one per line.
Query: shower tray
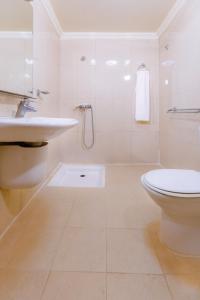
[84,176]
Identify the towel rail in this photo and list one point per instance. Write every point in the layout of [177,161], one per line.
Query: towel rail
[183,110]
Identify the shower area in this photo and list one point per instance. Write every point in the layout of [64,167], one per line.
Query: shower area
[97,87]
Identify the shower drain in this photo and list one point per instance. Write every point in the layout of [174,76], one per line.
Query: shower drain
[82,176]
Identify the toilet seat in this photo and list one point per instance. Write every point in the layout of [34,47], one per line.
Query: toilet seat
[173,182]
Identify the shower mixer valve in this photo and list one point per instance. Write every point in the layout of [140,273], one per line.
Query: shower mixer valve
[84,106]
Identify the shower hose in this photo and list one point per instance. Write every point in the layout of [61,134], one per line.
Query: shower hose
[84,108]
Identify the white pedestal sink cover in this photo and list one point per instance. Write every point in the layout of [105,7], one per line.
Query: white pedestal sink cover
[175,181]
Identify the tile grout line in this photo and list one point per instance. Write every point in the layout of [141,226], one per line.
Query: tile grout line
[35,193]
[165,277]
[106,286]
[22,212]
[107,242]
[45,285]
[106,229]
[53,256]
[56,250]
[168,287]
[87,272]
[61,235]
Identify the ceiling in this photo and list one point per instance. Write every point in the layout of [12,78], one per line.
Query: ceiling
[16,16]
[111,15]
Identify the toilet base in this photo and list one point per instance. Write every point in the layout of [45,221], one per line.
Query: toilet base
[181,238]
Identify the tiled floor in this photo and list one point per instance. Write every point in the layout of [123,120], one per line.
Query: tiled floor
[94,244]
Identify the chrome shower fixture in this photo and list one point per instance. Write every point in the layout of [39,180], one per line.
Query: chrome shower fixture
[84,108]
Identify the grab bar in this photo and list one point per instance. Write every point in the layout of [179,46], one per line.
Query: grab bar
[183,110]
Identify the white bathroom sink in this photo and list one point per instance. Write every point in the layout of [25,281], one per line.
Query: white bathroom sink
[33,129]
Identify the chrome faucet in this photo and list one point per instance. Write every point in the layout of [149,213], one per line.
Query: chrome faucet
[23,107]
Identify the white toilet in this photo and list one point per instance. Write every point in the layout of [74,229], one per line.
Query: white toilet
[177,192]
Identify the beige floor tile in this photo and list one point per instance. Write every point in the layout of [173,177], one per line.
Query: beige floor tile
[81,249]
[64,230]
[135,193]
[75,286]
[16,285]
[89,212]
[44,214]
[7,243]
[138,287]
[134,211]
[184,287]
[128,176]
[35,250]
[54,193]
[85,193]
[170,262]
[50,210]
[128,252]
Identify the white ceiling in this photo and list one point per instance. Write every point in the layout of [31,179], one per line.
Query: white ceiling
[16,15]
[111,15]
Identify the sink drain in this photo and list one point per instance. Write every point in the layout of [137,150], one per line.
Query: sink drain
[82,176]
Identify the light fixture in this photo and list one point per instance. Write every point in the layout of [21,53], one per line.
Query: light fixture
[127,62]
[127,77]
[93,62]
[29,61]
[27,76]
[111,62]
[166,82]
[168,63]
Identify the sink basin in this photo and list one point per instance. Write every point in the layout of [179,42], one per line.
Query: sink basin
[33,129]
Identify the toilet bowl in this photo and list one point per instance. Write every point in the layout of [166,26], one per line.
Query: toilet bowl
[177,192]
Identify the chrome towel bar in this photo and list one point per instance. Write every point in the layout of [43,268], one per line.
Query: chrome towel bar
[183,110]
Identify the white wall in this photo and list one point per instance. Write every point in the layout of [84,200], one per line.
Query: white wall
[118,138]
[179,133]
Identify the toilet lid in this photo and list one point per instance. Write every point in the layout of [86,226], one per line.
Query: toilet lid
[175,181]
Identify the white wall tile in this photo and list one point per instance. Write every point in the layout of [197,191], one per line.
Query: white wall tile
[179,134]
[103,85]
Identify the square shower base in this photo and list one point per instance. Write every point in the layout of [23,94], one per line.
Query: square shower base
[88,176]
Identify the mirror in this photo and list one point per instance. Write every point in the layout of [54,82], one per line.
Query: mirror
[16,46]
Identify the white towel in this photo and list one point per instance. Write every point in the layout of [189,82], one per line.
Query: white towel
[142,110]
